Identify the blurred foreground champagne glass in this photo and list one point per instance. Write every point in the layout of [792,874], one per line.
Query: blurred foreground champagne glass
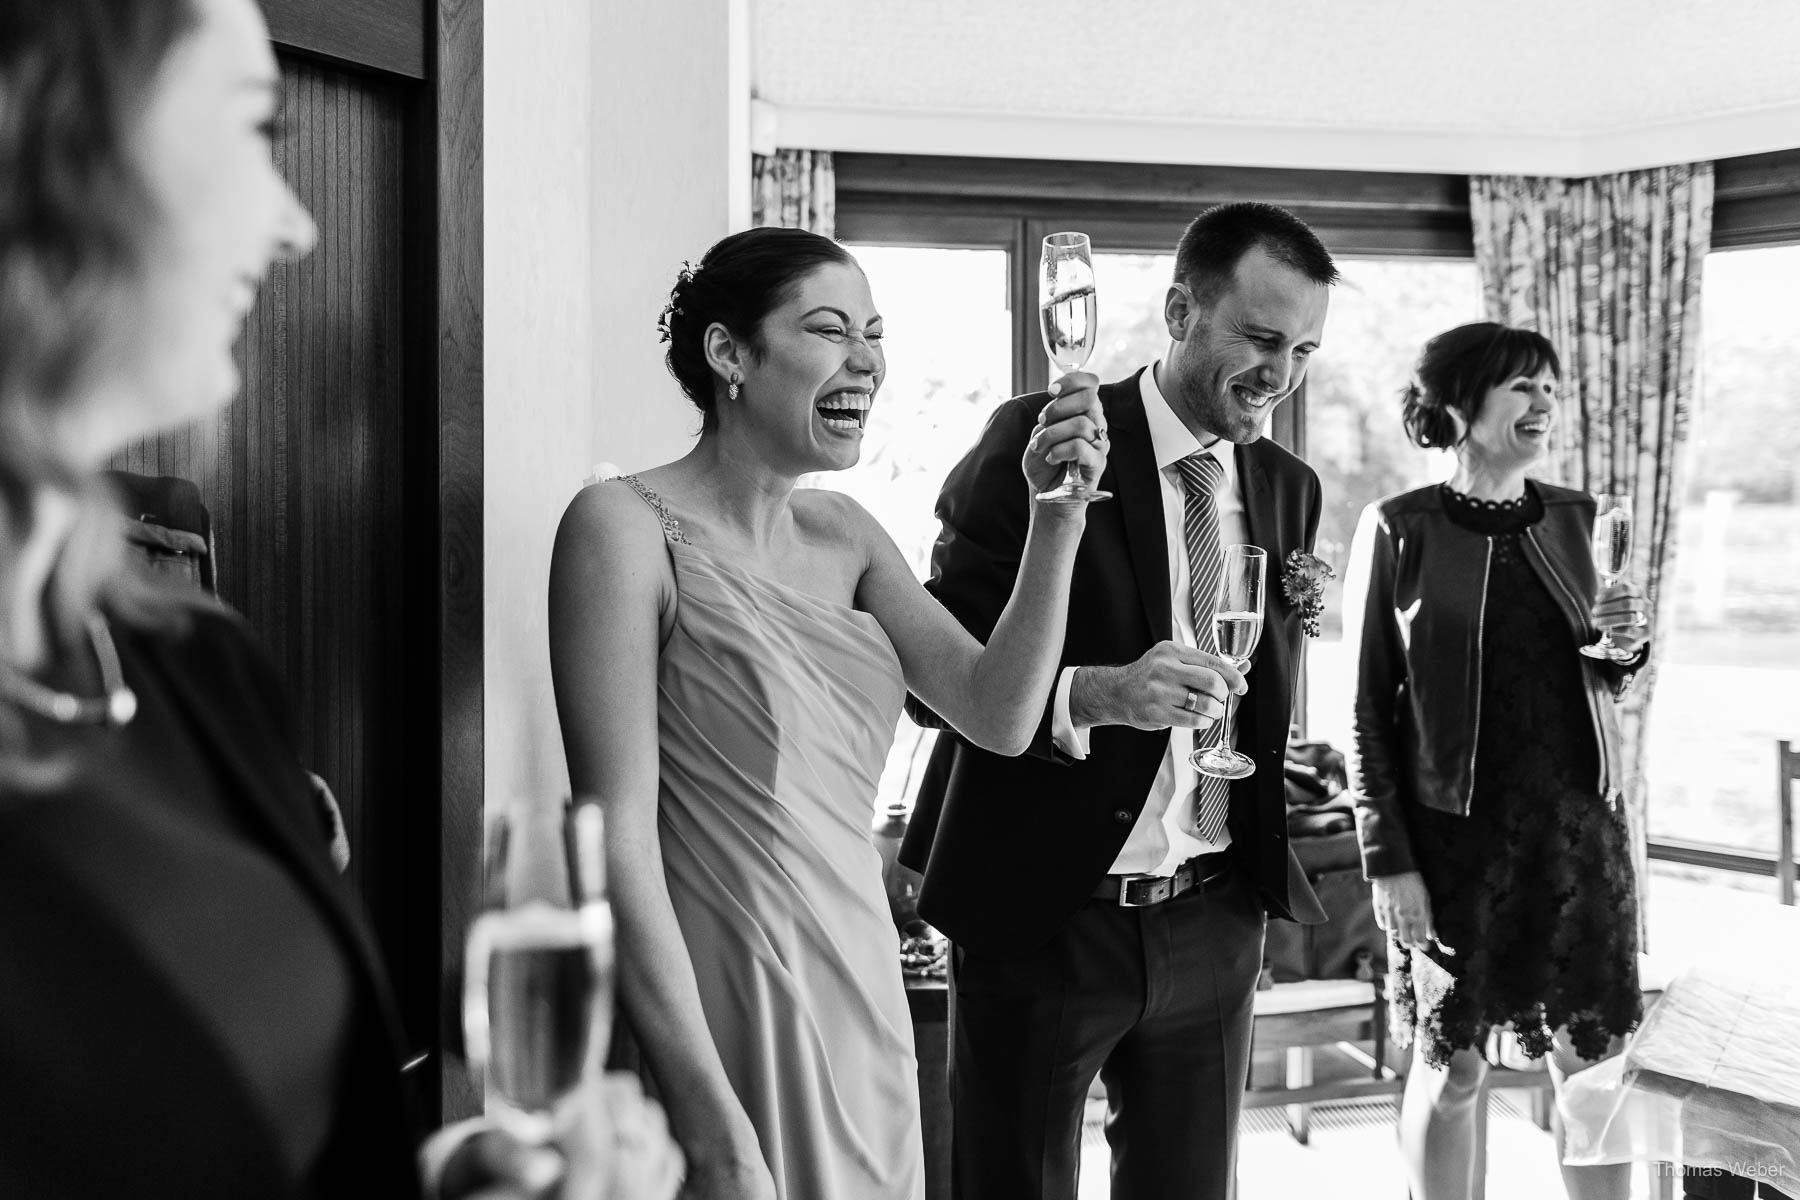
[538,976]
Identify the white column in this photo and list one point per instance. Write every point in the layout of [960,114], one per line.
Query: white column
[671,177]
[616,145]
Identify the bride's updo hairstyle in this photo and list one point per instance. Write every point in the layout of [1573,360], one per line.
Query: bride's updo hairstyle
[741,280]
[1457,370]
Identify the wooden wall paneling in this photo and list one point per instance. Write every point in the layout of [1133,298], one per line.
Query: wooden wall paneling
[304,476]
[1385,213]
[1145,207]
[424,833]
[1183,186]
[889,227]
[1756,200]
[1021,299]
[384,36]
[1030,250]
[346,482]
[459,394]
[1758,221]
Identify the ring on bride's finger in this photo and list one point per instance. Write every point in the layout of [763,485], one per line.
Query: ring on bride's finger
[1193,701]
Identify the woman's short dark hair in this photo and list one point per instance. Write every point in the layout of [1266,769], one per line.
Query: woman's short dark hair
[1457,370]
[1217,240]
[741,280]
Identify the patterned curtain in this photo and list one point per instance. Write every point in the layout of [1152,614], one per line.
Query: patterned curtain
[1609,270]
[796,189]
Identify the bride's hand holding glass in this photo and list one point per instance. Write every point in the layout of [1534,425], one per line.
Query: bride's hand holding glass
[1070,432]
[1066,312]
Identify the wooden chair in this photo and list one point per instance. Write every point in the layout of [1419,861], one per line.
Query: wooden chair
[1299,1019]
[1787,771]
[168,526]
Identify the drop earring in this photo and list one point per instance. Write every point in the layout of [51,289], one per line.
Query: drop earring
[731,391]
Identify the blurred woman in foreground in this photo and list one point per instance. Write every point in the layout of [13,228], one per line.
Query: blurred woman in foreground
[190,1002]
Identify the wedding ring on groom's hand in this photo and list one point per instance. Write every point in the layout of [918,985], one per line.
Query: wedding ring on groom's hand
[1193,702]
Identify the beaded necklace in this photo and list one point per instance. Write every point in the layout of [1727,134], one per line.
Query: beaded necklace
[116,707]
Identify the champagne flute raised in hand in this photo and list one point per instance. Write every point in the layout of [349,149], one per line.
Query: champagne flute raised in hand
[1066,314]
[1237,627]
[537,979]
[1612,556]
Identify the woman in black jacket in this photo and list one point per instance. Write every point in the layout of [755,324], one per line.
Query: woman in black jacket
[1488,747]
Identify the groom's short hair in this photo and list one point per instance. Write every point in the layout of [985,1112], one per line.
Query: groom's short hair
[1217,240]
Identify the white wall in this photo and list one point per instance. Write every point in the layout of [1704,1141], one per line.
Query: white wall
[671,100]
[615,146]
[539,363]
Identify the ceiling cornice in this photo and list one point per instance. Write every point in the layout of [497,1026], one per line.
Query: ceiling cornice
[1216,143]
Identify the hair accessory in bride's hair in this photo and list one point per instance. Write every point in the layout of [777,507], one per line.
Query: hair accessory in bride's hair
[672,309]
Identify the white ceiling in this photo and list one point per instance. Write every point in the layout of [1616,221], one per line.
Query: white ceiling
[1576,80]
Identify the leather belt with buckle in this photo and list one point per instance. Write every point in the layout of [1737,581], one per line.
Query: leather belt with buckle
[1136,891]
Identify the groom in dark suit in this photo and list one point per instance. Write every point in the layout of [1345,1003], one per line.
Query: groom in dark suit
[1105,903]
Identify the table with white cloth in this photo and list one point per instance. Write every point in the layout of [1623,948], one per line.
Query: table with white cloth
[1711,1081]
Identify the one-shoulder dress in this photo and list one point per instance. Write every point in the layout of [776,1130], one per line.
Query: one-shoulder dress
[775,711]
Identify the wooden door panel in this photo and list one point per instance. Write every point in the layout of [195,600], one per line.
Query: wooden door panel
[345,483]
[304,474]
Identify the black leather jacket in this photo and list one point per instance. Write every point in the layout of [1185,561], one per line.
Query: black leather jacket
[1418,685]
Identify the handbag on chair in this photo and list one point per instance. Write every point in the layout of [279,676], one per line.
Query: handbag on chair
[1322,832]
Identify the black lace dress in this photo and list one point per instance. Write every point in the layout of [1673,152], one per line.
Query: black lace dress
[1533,891]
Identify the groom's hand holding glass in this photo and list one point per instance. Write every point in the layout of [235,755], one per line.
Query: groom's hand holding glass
[1170,686]
[1071,430]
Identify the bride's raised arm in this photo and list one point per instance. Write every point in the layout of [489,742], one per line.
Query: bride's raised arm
[995,695]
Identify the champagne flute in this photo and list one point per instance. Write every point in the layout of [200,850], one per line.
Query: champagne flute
[1612,556]
[538,973]
[1066,316]
[1237,627]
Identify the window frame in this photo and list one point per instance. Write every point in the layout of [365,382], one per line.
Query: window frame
[1135,208]
[1010,204]
[1756,205]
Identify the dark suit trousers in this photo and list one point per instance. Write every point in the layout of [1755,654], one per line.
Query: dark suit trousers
[1157,1001]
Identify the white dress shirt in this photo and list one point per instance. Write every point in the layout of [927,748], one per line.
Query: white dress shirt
[1163,837]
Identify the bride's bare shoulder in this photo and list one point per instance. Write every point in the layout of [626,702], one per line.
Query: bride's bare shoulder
[613,517]
[828,516]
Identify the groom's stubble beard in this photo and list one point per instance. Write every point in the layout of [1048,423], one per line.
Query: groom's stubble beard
[1195,388]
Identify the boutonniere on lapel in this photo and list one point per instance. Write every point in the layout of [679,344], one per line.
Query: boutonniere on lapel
[1303,579]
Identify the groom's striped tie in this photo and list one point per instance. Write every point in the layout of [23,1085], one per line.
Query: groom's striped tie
[1200,476]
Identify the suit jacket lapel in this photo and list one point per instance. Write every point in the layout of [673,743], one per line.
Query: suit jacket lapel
[1133,478]
[1259,504]
[1262,518]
